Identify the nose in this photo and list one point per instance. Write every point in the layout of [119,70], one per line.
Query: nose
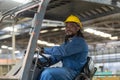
[67,28]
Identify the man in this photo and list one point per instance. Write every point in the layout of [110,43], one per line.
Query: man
[72,53]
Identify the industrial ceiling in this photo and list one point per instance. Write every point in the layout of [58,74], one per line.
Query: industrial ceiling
[99,15]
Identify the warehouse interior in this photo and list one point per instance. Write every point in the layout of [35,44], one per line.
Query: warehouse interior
[101,28]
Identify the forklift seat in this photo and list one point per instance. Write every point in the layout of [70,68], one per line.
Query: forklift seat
[88,70]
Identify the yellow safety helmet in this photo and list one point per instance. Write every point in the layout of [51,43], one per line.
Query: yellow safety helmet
[73,18]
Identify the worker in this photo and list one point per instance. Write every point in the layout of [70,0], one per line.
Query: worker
[72,53]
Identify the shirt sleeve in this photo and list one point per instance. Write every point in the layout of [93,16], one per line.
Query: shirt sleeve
[54,59]
[76,45]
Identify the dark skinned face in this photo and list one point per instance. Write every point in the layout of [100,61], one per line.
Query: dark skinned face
[71,28]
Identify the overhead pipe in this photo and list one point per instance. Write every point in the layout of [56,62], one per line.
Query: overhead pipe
[19,9]
[104,18]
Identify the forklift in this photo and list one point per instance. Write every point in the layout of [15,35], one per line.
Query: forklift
[28,67]
[38,66]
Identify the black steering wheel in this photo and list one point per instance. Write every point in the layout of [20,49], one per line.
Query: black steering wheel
[39,61]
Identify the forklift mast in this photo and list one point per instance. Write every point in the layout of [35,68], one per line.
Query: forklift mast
[38,18]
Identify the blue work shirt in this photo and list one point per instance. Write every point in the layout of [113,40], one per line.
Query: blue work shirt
[73,53]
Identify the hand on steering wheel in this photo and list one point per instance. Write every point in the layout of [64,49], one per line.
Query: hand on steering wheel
[41,62]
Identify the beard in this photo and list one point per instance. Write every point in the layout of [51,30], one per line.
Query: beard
[67,37]
[70,35]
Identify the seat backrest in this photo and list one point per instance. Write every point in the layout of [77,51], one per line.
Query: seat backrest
[89,68]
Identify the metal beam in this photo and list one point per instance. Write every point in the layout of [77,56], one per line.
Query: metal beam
[115,11]
[105,29]
[19,9]
[107,22]
[38,18]
[104,18]
[107,2]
